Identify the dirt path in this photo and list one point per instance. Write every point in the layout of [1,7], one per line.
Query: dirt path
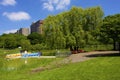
[76,58]
[88,55]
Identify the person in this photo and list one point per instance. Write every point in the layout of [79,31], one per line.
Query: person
[40,54]
[21,52]
[25,52]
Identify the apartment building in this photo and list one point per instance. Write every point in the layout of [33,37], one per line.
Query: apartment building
[23,31]
[37,27]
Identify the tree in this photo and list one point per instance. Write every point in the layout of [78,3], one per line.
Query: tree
[25,44]
[92,18]
[76,27]
[111,28]
[92,22]
[11,41]
[54,32]
[8,41]
[70,41]
[35,38]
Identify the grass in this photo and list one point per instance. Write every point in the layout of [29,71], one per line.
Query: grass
[10,68]
[106,68]
[98,47]
[102,68]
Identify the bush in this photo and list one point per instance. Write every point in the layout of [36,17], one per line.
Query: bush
[38,47]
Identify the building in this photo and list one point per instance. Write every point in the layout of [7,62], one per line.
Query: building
[24,31]
[37,27]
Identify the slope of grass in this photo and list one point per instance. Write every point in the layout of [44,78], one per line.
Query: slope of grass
[103,68]
[106,68]
[10,69]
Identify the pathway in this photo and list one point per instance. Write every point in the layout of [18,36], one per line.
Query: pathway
[75,58]
[85,56]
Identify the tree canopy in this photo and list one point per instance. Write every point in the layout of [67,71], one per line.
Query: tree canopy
[12,41]
[76,27]
[110,29]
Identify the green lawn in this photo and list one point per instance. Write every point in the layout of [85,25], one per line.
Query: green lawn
[13,69]
[106,68]
[10,69]
[102,68]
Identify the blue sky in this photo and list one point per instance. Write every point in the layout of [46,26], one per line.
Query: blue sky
[15,14]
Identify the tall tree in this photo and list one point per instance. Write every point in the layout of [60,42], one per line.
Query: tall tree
[111,28]
[73,27]
[93,21]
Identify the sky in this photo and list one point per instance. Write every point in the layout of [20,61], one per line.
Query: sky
[16,14]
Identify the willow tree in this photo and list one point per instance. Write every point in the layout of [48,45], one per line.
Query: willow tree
[53,32]
[92,22]
[76,16]
[73,28]
[49,31]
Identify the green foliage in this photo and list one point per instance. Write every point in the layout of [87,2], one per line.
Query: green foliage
[11,41]
[35,38]
[39,47]
[70,40]
[110,30]
[111,27]
[76,27]
[25,44]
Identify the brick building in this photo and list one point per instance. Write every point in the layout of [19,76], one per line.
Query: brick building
[23,31]
[36,27]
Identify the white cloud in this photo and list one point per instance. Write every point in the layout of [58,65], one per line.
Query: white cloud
[17,16]
[63,4]
[56,4]
[8,2]
[11,31]
[48,6]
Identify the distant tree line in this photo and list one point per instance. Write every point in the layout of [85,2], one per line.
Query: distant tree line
[75,28]
[11,41]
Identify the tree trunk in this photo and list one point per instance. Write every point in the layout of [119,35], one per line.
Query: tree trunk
[71,48]
[114,45]
[119,47]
